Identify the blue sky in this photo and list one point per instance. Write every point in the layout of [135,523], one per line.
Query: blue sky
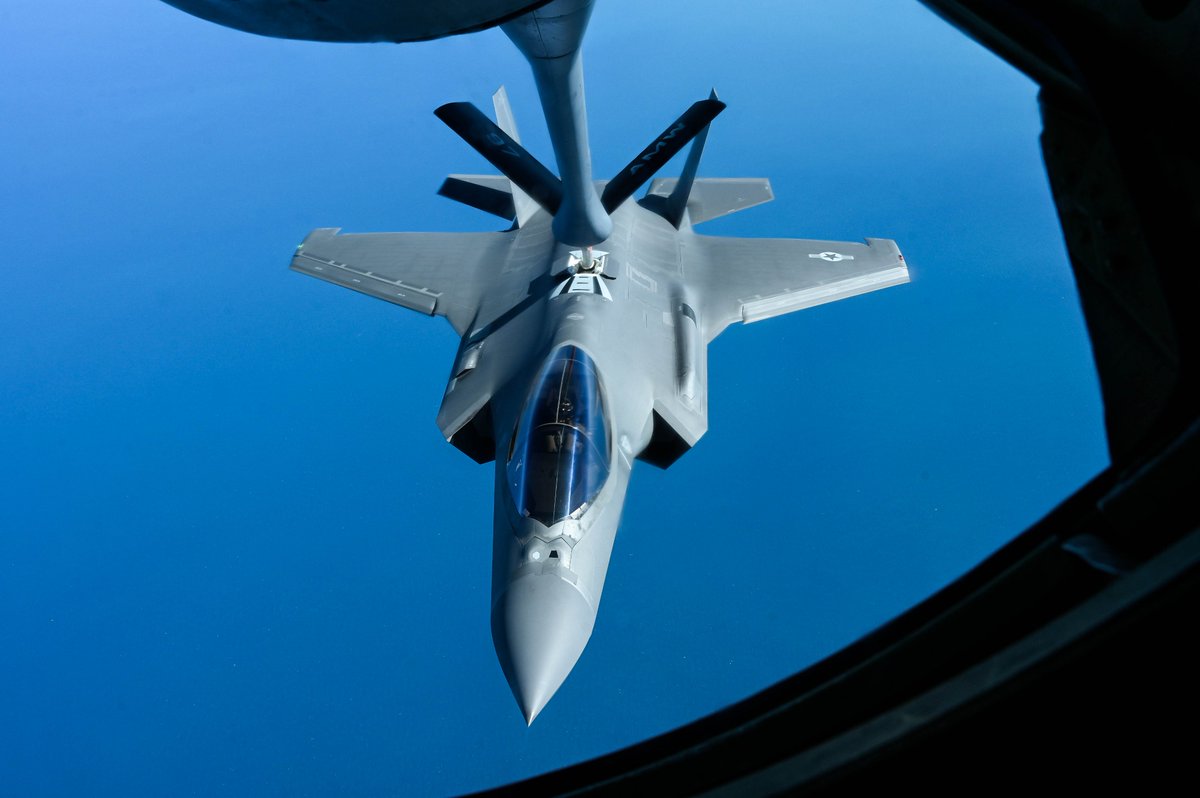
[236,556]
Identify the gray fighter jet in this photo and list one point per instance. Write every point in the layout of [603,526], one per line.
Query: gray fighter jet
[584,330]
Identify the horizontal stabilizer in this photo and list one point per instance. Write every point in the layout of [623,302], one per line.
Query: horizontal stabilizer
[485,192]
[711,197]
[504,153]
[661,150]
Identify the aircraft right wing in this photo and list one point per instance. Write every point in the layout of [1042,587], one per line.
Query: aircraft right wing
[751,279]
[434,273]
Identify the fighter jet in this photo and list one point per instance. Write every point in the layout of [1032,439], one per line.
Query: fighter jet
[584,329]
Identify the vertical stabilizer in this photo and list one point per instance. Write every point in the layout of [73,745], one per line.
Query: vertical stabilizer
[523,203]
[677,202]
[694,121]
[503,153]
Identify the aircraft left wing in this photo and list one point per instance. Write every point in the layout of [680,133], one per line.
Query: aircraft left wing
[434,273]
[751,279]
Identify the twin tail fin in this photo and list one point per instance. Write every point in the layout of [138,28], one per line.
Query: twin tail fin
[530,184]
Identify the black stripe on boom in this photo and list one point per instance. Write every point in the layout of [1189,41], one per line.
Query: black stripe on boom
[504,153]
[663,148]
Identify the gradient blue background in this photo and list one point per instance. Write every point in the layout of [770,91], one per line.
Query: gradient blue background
[236,556]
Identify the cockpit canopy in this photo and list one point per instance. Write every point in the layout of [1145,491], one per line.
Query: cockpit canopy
[559,457]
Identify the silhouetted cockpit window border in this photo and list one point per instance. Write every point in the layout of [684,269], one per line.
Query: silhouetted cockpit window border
[559,457]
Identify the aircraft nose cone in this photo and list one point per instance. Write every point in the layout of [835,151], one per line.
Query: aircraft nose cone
[540,626]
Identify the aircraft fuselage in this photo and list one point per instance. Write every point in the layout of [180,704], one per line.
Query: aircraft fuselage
[566,372]
[557,510]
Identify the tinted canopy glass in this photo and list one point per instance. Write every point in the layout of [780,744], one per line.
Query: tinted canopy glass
[559,458]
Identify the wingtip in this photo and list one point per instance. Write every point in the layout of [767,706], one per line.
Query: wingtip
[712,95]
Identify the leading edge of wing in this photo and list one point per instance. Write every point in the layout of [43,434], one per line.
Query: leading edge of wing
[432,273]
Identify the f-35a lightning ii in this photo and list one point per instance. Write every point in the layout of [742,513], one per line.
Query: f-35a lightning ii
[584,326]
